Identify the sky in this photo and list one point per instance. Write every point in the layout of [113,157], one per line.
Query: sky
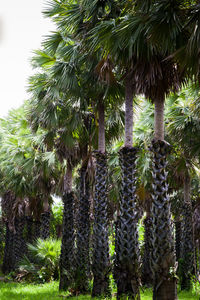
[22,29]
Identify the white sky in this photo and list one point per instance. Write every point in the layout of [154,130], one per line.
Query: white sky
[22,29]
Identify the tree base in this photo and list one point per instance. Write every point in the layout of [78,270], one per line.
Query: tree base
[101,287]
[166,291]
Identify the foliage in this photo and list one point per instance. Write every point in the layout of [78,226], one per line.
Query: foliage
[42,262]
[57,210]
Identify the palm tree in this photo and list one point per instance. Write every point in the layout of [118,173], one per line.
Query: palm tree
[154,76]
[183,128]
[21,173]
[72,19]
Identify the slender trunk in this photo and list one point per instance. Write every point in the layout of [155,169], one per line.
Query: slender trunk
[128,114]
[127,262]
[67,185]
[83,234]
[159,120]
[101,260]
[101,140]
[147,276]
[178,231]
[187,238]
[163,256]
[67,257]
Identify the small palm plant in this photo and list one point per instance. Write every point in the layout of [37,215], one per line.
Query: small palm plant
[42,262]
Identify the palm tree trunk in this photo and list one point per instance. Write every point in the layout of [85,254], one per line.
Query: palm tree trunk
[187,251]
[101,138]
[37,229]
[159,120]
[19,242]
[67,259]
[127,261]
[128,114]
[101,260]
[163,256]
[127,268]
[147,277]
[29,226]
[45,225]
[83,234]
[8,260]
[178,231]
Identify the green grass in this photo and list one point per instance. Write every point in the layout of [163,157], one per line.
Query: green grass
[48,291]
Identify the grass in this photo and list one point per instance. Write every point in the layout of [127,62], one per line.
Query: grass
[48,291]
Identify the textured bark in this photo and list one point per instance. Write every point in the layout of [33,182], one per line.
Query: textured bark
[163,256]
[37,229]
[101,139]
[67,261]
[29,226]
[178,230]
[19,245]
[159,120]
[127,262]
[83,235]
[128,114]
[101,261]
[8,259]
[147,276]
[187,251]
[45,225]
[67,185]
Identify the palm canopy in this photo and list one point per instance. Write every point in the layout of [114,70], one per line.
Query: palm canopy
[27,169]
[68,91]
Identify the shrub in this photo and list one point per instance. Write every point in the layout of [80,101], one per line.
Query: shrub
[41,264]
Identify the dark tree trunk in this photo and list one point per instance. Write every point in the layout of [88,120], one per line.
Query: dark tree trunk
[19,245]
[127,263]
[45,225]
[101,261]
[29,226]
[37,229]
[147,276]
[163,256]
[8,259]
[83,234]
[67,261]
[178,231]
[187,251]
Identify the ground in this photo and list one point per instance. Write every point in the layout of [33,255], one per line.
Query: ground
[48,291]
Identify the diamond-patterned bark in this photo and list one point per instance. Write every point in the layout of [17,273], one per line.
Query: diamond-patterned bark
[45,225]
[37,229]
[147,278]
[163,254]
[187,247]
[8,259]
[29,226]
[127,261]
[83,234]
[178,230]
[67,261]
[19,245]
[101,261]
